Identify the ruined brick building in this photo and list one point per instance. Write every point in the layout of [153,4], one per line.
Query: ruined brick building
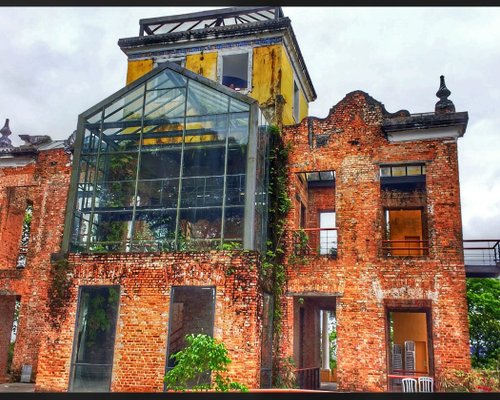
[153,224]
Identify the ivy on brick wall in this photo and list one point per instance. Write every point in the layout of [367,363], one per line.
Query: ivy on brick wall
[59,292]
[273,266]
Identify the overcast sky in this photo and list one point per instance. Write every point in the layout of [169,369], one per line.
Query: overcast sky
[58,61]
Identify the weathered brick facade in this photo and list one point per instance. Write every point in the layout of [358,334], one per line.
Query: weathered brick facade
[145,281]
[44,180]
[365,282]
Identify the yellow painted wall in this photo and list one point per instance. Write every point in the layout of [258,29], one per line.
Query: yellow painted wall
[272,75]
[413,326]
[138,68]
[304,106]
[266,73]
[204,64]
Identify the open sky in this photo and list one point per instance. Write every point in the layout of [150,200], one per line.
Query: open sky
[58,61]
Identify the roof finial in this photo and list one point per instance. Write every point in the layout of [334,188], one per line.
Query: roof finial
[444,105]
[6,132]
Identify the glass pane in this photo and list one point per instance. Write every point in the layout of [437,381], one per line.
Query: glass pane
[328,237]
[158,184]
[238,106]
[235,71]
[91,139]
[164,104]
[313,176]
[154,231]
[203,100]
[399,171]
[199,228]
[95,338]
[126,108]
[233,225]
[125,138]
[385,171]
[161,134]
[414,170]
[326,175]
[111,231]
[165,80]
[118,166]
[91,378]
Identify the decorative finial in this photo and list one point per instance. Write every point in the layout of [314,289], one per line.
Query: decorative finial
[6,132]
[444,105]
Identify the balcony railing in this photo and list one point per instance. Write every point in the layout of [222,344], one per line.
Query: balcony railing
[308,378]
[405,248]
[482,251]
[315,242]
[482,258]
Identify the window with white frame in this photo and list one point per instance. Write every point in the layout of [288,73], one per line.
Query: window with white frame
[234,70]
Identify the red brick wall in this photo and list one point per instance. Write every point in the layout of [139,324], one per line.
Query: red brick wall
[361,277]
[45,182]
[7,308]
[145,281]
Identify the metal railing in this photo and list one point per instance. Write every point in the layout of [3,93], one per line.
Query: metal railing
[315,242]
[308,378]
[405,248]
[482,251]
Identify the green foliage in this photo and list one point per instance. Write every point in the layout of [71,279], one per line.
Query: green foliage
[483,297]
[332,337]
[59,290]
[472,381]
[286,378]
[228,246]
[202,355]
[97,315]
[273,266]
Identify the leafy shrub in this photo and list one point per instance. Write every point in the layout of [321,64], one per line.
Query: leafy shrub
[202,355]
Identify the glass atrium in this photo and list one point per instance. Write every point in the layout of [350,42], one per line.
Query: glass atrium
[171,162]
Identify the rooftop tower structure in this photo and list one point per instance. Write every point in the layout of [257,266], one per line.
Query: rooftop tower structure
[253,50]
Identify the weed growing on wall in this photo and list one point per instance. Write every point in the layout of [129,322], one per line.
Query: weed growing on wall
[59,292]
[273,266]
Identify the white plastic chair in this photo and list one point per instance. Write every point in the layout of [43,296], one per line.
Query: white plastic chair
[409,385]
[425,384]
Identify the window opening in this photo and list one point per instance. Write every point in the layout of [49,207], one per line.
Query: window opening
[328,234]
[404,233]
[235,71]
[25,235]
[296,102]
[409,345]
[94,338]
[192,311]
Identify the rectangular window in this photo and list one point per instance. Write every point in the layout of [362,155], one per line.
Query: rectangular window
[409,345]
[404,233]
[327,235]
[94,341]
[235,71]
[25,235]
[296,102]
[192,311]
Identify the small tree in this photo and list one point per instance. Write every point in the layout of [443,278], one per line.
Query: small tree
[202,355]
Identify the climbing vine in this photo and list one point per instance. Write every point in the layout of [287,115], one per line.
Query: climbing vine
[273,261]
[59,292]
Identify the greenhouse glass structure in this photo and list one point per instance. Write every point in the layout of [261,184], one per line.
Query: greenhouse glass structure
[172,162]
